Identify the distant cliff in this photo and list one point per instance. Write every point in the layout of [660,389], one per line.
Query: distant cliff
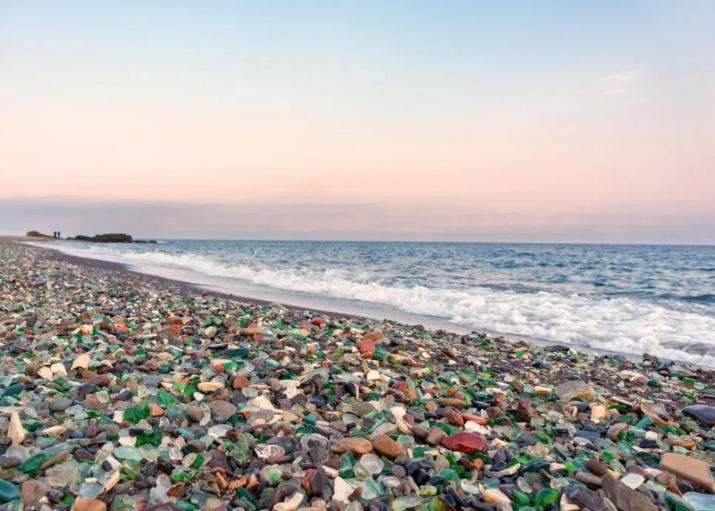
[109,238]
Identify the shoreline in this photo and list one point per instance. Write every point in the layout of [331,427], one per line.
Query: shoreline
[440,324]
[174,395]
[191,288]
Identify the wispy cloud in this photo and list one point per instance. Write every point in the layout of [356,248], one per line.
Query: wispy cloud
[619,78]
[617,84]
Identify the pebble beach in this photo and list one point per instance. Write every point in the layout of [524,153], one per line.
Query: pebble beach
[120,391]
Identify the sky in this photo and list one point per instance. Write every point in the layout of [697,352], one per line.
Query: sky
[550,121]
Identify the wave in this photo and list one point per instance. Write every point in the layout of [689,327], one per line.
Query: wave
[705,298]
[620,323]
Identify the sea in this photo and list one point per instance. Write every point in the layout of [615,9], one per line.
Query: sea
[629,299]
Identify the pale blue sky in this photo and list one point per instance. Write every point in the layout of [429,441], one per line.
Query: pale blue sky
[529,115]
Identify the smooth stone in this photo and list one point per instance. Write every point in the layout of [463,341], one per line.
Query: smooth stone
[435,436]
[387,428]
[624,497]
[366,346]
[575,389]
[468,443]
[495,496]
[194,413]
[454,416]
[210,386]
[700,501]
[633,481]
[32,491]
[357,446]
[373,464]
[152,380]
[15,430]
[240,382]
[583,497]
[387,447]
[223,408]
[8,491]
[703,414]
[453,402]
[219,431]
[596,467]
[10,462]
[587,478]
[690,469]
[525,411]
[196,446]
[60,404]
[81,362]
[291,504]
[89,505]
[317,481]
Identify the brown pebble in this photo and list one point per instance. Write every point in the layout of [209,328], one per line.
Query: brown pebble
[240,382]
[387,447]
[596,467]
[89,505]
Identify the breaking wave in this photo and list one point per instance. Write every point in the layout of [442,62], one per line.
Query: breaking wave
[621,324]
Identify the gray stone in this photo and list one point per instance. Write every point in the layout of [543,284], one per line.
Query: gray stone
[624,498]
[575,389]
[60,404]
[701,413]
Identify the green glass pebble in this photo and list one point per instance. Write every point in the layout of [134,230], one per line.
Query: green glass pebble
[167,399]
[644,423]
[185,506]
[546,497]
[8,491]
[135,414]
[521,498]
[197,462]
[13,390]
[677,503]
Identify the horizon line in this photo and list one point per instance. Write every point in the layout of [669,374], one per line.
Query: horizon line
[464,242]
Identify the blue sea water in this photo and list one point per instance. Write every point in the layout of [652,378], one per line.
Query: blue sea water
[626,298]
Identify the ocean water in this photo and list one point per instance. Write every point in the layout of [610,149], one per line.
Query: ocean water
[625,298]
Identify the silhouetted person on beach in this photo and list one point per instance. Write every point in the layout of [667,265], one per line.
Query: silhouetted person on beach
[59,234]
[54,234]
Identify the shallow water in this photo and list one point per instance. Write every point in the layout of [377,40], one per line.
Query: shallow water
[625,298]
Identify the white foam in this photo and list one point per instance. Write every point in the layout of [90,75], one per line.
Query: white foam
[619,324]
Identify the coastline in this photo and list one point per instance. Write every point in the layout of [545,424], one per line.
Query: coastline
[173,394]
[439,324]
[190,288]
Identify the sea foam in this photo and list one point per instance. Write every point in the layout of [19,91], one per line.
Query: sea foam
[619,324]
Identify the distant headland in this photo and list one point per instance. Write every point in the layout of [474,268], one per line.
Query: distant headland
[97,238]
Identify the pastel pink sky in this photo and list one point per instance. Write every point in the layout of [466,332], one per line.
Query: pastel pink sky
[440,120]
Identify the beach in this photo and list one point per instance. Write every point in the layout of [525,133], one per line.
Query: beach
[129,391]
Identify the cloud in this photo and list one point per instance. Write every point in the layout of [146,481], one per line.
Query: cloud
[616,84]
[613,91]
[619,78]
